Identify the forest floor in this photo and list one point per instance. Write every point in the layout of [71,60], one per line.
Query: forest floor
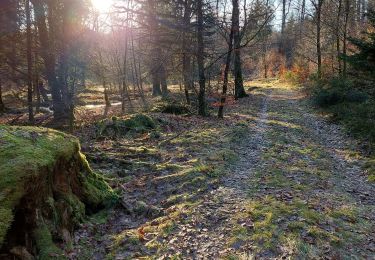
[272,180]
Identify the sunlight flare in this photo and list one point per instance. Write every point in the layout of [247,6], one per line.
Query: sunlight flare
[102,6]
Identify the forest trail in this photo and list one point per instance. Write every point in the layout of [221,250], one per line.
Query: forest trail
[297,189]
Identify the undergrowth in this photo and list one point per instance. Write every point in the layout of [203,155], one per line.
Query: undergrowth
[352,107]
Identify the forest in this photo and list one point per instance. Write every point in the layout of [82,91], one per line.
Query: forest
[187,129]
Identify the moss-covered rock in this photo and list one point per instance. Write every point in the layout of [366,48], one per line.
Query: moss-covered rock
[172,108]
[45,179]
[136,124]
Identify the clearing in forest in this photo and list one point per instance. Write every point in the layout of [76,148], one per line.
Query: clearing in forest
[272,180]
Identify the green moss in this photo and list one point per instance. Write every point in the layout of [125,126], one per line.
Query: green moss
[224,155]
[97,192]
[24,151]
[100,218]
[44,243]
[171,108]
[28,159]
[75,207]
[138,123]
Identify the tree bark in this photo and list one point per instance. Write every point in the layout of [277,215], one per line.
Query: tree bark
[318,9]
[36,76]
[226,71]
[239,91]
[156,90]
[347,12]
[2,106]
[155,49]
[200,59]
[186,64]
[338,36]
[29,64]
[283,27]
[124,91]
[137,74]
[163,80]
[186,57]
[48,56]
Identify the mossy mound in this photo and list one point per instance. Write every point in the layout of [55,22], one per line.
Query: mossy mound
[136,124]
[45,183]
[172,108]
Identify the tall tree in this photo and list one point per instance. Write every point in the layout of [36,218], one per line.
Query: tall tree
[186,43]
[363,61]
[338,34]
[318,20]
[238,79]
[49,57]
[345,40]
[226,68]
[200,59]
[29,63]
[157,69]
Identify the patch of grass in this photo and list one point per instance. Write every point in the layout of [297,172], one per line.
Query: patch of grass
[126,239]
[169,166]
[370,167]
[346,213]
[224,155]
[239,132]
[168,227]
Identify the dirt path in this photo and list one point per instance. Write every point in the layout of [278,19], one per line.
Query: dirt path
[205,236]
[297,190]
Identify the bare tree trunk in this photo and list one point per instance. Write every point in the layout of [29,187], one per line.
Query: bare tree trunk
[364,10]
[347,12]
[163,80]
[338,35]
[106,96]
[47,53]
[2,106]
[283,26]
[124,78]
[265,67]
[318,9]
[358,11]
[186,64]
[302,17]
[200,59]
[226,72]
[239,90]
[29,64]
[155,49]
[36,76]
[186,58]
[137,74]
[156,90]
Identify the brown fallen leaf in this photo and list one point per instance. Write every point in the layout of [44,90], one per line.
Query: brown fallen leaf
[141,234]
